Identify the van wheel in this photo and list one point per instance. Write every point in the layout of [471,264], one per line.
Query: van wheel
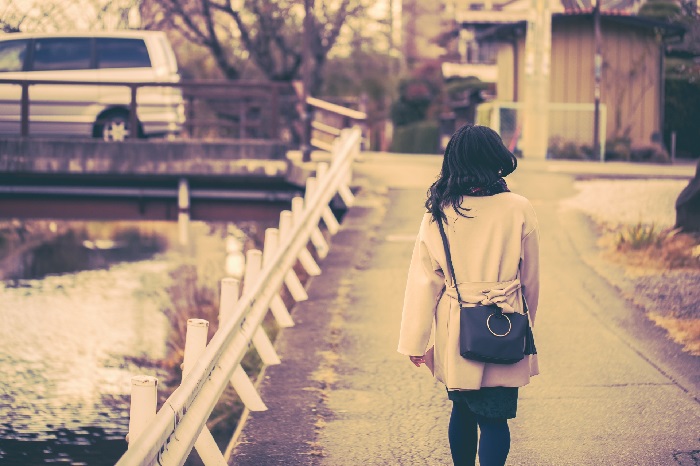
[113,127]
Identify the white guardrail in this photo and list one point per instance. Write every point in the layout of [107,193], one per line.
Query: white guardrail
[168,436]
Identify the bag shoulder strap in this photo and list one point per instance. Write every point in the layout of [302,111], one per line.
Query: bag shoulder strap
[450,268]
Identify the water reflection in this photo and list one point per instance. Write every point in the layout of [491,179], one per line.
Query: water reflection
[69,345]
[75,250]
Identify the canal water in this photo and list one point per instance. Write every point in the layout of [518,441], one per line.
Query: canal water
[69,345]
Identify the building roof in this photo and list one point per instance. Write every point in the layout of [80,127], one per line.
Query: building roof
[605,5]
[511,22]
[517,12]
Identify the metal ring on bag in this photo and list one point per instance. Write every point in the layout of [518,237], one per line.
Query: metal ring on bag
[488,325]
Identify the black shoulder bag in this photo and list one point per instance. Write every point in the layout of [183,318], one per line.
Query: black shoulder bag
[486,334]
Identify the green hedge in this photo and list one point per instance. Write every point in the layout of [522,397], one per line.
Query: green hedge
[417,138]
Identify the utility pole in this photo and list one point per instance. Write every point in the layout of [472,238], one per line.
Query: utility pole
[306,81]
[409,18]
[393,55]
[597,74]
[538,50]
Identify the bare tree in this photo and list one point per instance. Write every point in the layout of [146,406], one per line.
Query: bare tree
[57,15]
[270,32]
[29,17]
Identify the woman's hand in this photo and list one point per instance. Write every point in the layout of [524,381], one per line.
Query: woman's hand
[417,360]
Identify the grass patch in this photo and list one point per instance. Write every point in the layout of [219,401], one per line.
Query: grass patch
[646,250]
[647,246]
[639,236]
[192,296]
[685,332]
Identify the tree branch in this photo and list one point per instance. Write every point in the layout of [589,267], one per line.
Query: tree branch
[214,44]
[186,18]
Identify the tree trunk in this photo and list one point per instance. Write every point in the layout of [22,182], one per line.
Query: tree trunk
[688,205]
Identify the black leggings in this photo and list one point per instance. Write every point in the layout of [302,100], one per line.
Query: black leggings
[494,443]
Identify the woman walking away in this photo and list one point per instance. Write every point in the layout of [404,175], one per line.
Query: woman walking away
[492,254]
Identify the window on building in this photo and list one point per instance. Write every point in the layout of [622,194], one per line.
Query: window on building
[488,51]
[62,54]
[12,55]
[122,53]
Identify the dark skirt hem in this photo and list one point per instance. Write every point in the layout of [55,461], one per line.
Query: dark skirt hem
[490,402]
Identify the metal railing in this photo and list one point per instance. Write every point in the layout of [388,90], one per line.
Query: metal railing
[168,436]
[239,109]
[217,109]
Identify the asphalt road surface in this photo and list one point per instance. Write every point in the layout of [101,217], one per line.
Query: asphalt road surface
[613,390]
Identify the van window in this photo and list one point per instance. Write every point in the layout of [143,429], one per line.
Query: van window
[12,53]
[62,54]
[122,53]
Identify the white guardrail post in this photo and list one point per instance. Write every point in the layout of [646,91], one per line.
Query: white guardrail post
[344,191]
[262,343]
[195,344]
[144,398]
[294,285]
[317,238]
[305,257]
[241,383]
[277,306]
[167,437]
[328,215]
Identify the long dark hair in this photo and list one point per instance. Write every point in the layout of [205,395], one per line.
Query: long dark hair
[474,157]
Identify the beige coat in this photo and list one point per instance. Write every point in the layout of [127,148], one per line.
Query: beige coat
[494,250]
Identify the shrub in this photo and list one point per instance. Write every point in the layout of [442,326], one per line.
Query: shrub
[417,138]
[416,95]
[559,149]
[650,153]
[404,112]
[646,244]
[618,148]
[680,249]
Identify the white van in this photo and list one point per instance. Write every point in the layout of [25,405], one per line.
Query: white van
[90,110]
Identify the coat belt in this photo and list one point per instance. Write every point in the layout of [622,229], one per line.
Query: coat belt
[486,293]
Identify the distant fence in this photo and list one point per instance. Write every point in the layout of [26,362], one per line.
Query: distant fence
[238,109]
[570,125]
[212,109]
[168,436]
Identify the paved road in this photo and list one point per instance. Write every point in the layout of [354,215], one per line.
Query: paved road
[610,393]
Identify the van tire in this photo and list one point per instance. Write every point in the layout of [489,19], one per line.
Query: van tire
[114,126]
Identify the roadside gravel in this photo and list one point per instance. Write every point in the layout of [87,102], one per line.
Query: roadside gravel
[614,204]
[627,202]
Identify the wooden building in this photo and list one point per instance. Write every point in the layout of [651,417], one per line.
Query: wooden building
[632,85]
